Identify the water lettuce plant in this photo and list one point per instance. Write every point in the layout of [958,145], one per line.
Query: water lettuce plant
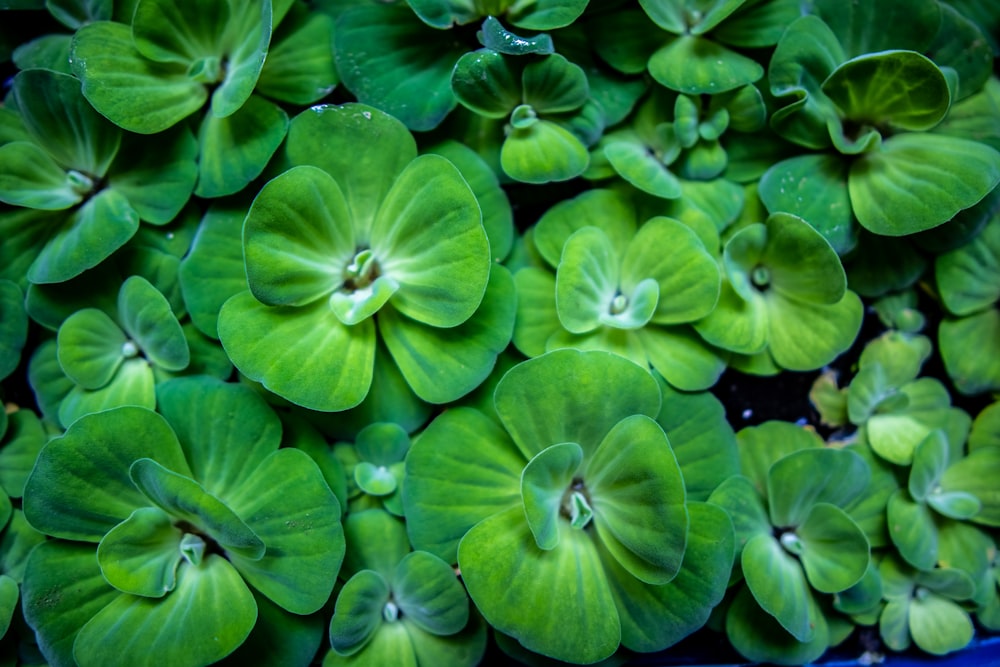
[457,332]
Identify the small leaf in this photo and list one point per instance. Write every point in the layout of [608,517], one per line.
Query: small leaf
[300,67]
[542,153]
[697,65]
[554,85]
[778,584]
[803,479]
[545,481]
[374,480]
[141,554]
[146,316]
[358,612]
[497,38]
[911,527]
[634,163]
[587,280]
[29,177]
[835,552]
[90,348]
[487,83]
[938,625]
[430,595]
[930,460]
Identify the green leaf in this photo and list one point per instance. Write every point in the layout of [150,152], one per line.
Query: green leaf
[90,348]
[632,466]
[29,177]
[60,120]
[462,469]
[972,475]
[9,597]
[534,595]
[298,238]
[912,529]
[894,435]
[548,477]
[146,316]
[429,594]
[962,342]
[24,437]
[806,336]
[391,644]
[697,65]
[634,163]
[374,480]
[443,364]
[211,607]
[358,612]
[141,554]
[760,447]
[75,13]
[213,270]
[968,277]
[13,328]
[133,92]
[949,173]
[608,210]
[225,430]
[428,236]
[553,85]
[157,183]
[938,625]
[587,281]
[279,638]
[901,89]
[63,589]
[571,396]
[930,460]
[655,617]
[86,238]
[799,481]
[327,136]
[244,38]
[80,487]
[409,75]
[682,357]
[497,38]
[324,364]
[813,187]
[777,582]
[183,498]
[487,83]
[299,523]
[300,67]
[835,551]
[912,24]
[761,638]
[236,147]
[543,152]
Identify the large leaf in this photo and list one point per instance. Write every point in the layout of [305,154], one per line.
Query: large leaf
[304,354]
[939,625]
[300,68]
[608,210]
[638,497]
[157,183]
[534,595]
[225,430]
[968,278]
[962,343]
[917,181]
[80,487]
[487,82]
[553,85]
[211,608]
[462,469]
[133,92]
[409,75]
[442,364]
[761,638]
[571,396]
[428,236]
[802,479]
[236,147]
[300,526]
[912,529]
[63,589]
[655,617]
[328,137]
[898,88]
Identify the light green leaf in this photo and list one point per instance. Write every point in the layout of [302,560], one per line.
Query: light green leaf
[90,348]
[777,582]
[157,182]
[894,435]
[29,177]
[683,357]
[973,475]
[835,552]
[608,210]
[806,336]
[324,365]
[968,278]
[462,469]
[548,477]
[587,281]
[634,163]
[141,554]
[938,625]
[299,523]
[243,38]
[745,506]
[543,152]
[912,529]
[211,607]
[760,447]
[428,236]
[802,479]
[300,67]
[534,595]
[638,497]
[327,137]
[760,637]
[376,540]
[949,173]
[930,460]
[443,364]
[966,345]
[682,17]
[80,487]
[571,396]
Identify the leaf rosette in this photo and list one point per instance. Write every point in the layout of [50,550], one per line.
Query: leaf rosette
[621,287]
[188,527]
[569,519]
[347,250]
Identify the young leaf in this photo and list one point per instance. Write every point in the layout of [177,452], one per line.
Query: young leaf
[545,480]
